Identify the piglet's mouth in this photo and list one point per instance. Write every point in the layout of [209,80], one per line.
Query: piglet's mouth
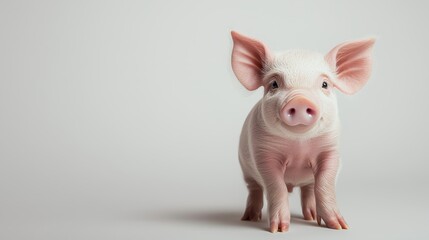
[301,128]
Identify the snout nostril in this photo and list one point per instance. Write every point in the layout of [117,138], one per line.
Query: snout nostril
[310,111]
[291,111]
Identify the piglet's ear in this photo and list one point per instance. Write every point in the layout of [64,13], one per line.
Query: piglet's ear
[352,63]
[248,59]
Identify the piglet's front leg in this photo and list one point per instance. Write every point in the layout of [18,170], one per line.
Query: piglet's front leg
[272,173]
[325,171]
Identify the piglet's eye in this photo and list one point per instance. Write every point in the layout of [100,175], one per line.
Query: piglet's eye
[325,85]
[274,85]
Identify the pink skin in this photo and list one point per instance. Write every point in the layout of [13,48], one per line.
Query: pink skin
[290,138]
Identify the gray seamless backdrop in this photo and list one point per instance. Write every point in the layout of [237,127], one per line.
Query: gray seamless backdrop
[120,119]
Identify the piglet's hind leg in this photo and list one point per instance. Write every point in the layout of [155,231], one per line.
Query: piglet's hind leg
[308,202]
[255,201]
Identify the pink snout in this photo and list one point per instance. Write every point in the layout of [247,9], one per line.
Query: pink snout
[300,111]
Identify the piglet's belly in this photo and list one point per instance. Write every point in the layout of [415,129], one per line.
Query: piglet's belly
[299,176]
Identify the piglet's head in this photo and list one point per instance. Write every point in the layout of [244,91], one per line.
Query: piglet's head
[298,84]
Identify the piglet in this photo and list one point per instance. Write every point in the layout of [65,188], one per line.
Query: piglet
[290,137]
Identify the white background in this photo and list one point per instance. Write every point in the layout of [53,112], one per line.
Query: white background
[120,119]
